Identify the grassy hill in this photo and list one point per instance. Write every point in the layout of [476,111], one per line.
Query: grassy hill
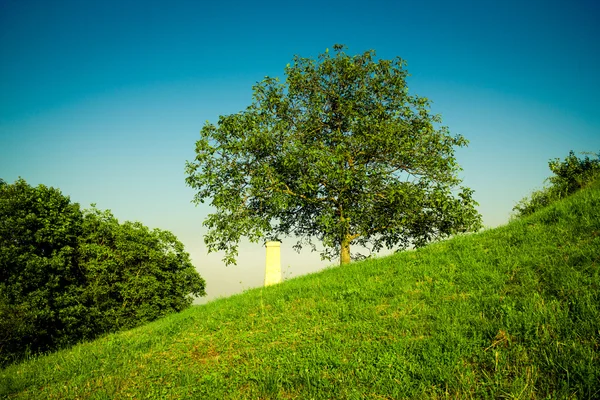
[512,312]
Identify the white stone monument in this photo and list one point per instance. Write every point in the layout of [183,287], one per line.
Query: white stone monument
[273,264]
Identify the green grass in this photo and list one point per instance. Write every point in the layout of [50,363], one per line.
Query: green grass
[512,312]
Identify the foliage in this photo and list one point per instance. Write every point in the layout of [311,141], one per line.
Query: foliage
[68,275]
[570,175]
[340,153]
[537,200]
[135,275]
[40,279]
[513,312]
[573,173]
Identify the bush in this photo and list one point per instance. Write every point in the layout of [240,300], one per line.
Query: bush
[135,275]
[40,282]
[68,275]
[573,173]
[570,175]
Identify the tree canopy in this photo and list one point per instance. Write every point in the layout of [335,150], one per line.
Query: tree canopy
[68,274]
[339,154]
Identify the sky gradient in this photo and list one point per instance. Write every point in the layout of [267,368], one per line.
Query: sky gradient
[104,100]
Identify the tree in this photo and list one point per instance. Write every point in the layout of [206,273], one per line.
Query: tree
[340,153]
[40,281]
[68,275]
[135,275]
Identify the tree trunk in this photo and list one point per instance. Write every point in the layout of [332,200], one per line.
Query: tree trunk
[345,250]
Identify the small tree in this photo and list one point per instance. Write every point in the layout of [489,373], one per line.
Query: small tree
[341,153]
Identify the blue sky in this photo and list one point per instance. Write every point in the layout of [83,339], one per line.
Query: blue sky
[105,99]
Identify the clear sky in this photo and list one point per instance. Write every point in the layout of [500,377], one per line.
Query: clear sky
[105,99]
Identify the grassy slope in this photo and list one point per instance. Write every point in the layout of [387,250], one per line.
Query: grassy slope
[510,312]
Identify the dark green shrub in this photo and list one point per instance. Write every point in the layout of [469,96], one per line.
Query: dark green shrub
[135,274]
[68,275]
[40,281]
